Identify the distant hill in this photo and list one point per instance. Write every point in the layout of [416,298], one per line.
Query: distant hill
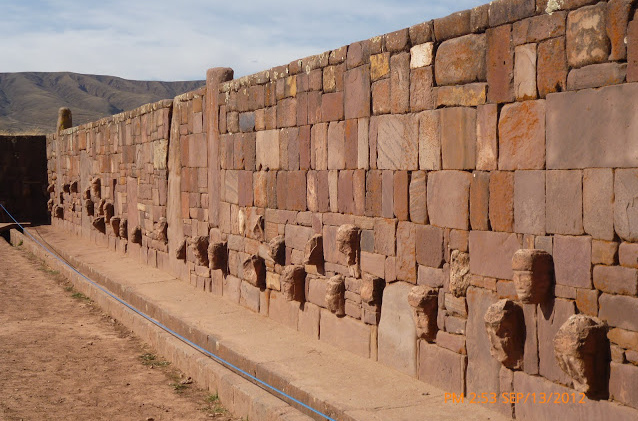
[29,102]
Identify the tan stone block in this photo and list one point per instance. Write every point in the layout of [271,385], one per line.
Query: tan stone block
[421,55]
[448,199]
[461,60]
[486,141]
[397,143]
[429,140]
[525,72]
[500,64]
[522,136]
[458,138]
[468,95]
[379,66]
[586,37]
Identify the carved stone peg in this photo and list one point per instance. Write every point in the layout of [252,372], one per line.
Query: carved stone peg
[348,242]
[180,252]
[115,225]
[96,188]
[255,271]
[161,230]
[90,207]
[459,273]
[65,118]
[58,211]
[109,211]
[124,228]
[218,255]
[582,351]
[51,188]
[372,289]
[293,283]
[278,250]
[87,194]
[425,304]
[313,253]
[505,326]
[50,205]
[99,224]
[136,235]
[199,246]
[533,275]
[74,187]
[335,295]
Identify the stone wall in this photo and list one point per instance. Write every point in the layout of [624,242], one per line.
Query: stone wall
[23,179]
[454,199]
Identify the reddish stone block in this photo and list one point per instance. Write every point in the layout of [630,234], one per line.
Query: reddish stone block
[373,193]
[551,68]
[632,51]
[296,194]
[429,246]
[572,261]
[422,95]
[442,368]
[479,200]
[491,253]
[351,144]
[397,143]
[486,141]
[586,36]
[430,140]
[506,11]
[458,138]
[604,252]
[267,150]
[619,311]
[359,191]
[461,60]
[622,381]
[319,146]
[332,106]
[618,13]
[358,54]
[287,112]
[448,199]
[282,190]
[452,26]
[401,182]
[406,252]
[539,28]
[379,66]
[525,72]
[501,207]
[314,107]
[417,197]
[336,146]
[384,236]
[522,136]
[381,97]
[387,194]
[624,204]
[598,203]
[596,75]
[564,202]
[400,83]
[529,202]
[397,40]
[345,196]
[373,264]
[333,184]
[302,108]
[500,64]
[357,92]
[628,255]
[245,188]
[422,32]
[616,280]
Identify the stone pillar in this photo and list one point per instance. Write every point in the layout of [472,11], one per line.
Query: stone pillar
[214,77]
[65,120]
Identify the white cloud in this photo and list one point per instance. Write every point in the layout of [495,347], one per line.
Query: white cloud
[161,40]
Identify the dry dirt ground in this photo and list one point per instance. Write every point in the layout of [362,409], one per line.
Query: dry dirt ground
[61,358]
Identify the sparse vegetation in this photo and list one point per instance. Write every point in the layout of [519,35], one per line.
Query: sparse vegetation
[149,359]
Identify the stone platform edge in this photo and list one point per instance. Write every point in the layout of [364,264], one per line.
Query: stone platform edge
[239,395]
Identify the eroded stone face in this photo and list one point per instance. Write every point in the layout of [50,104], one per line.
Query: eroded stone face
[180,252]
[372,289]
[124,228]
[292,281]
[505,326]
[425,304]
[255,271]
[277,248]
[90,207]
[335,295]
[533,275]
[200,250]
[99,224]
[218,255]
[115,225]
[87,193]
[313,253]
[161,230]
[348,240]
[109,211]
[582,351]
[459,273]
[136,235]
[96,188]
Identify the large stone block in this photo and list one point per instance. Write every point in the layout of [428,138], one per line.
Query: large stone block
[397,330]
[461,60]
[564,202]
[458,138]
[585,129]
[336,146]
[506,11]
[623,379]
[551,67]
[406,252]
[550,319]
[417,197]
[448,199]
[525,72]
[479,200]
[500,64]
[422,94]
[430,140]
[625,207]
[397,143]
[572,261]
[598,203]
[596,75]
[501,203]
[429,246]
[529,202]
[345,333]
[619,311]
[400,83]
[357,92]
[267,150]
[491,253]
[616,280]
[522,136]
[586,36]
[442,368]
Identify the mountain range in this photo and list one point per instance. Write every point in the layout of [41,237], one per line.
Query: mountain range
[29,101]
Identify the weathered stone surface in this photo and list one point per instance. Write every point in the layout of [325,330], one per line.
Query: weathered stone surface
[625,207]
[616,19]
[461,60]
[397,330]
[500,64]
[452,26]
[505,11]
[584,131]
[372,289]
[429,246]
[345,333]
[277,249]
[619,311]
[605,253]
[533,275]
[586,37]
[564,202]
[124,229]
[582,351]
[357,92]
[98,223]
[424,303]
[479,200]
[458,138]
[429,140]
[501,202]
[313,253]
[616,280]
[627,255]
[572,261]
[161,228]
[468,95]
[525,72]
[422,94]
[292,281]
[491,253]
[397,143]
[421,55]
[448,199]
[400,83]
[96,188]
[539,28]
[199,245]
[335,299]
[551,68]
[254,271]
[622,384]
[522,136]
[218,255]
[442,368]
[379,66]
[598,203]
[459,273]
[348,239]
[529,202]
[406,252]
[550,318]
[596,75]
[417,197]
[267,150]
[505,325]
[385,236]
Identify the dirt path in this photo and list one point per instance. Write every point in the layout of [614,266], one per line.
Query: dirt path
[61,358]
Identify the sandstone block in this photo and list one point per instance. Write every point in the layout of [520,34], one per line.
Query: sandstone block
[619,311]
[605,253]
[384,236]
[430,140]
[551,68]
[379,66]
[357,92]
[406,252]
[596,75]
[529,202]
[448,199]
[345,333]
[397,330]
[459,273]
[627,254]
[421,55]
[479,200]
[422,94]
[267,150]
[432,277]
[625,208]
[564,200]
[400,83]
[417,197]
[336,146]
[501,202]
[381,97]
[616,19]
[500,64]
[397,143]
[586,36]
[491,253]
[616,280]
[332,106]
[461,60]
[429,246]
[442,368]
[572,261]
[486,142]
[458,138]
[503,11]
[522,136]
[504,322]
[549,320]
[452,26]
[539,28]
[525,72]
[598,203]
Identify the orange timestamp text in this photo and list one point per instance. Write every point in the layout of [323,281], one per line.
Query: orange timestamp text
[513,397]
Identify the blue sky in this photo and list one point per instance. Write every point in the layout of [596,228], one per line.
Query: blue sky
[161,40]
